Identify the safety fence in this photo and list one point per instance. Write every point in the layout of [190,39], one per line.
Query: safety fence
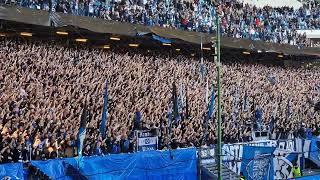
[256,160]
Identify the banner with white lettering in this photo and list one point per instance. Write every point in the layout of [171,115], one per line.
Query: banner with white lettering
[257,163]
[283,163]
[147,140]
[287,153]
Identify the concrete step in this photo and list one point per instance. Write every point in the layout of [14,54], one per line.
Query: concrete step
[212,170]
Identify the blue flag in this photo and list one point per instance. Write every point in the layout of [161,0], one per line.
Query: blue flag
[211,105]
[104,112]
[137,120]
[314,154]
[258,118]
[245,103]
[161,39]
[82,130]
[187,113]
[289,109]
[170,117]
[235,107]
[176,114]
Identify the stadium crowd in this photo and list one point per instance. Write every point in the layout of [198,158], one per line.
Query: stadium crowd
[44,87]
[239,20]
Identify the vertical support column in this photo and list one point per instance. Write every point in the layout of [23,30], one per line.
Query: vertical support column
[218,63]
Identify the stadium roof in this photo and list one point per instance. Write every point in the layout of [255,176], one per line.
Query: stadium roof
[45,23]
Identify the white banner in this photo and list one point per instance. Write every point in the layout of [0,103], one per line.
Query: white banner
[147,141]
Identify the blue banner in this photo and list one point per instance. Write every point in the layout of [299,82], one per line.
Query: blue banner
[11,170]
[161,39]
[104,112]
[211,104]
[257,163]
[160,165]
[315,151]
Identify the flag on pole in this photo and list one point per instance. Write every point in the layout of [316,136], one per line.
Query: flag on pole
[207,93]
[202,65]
[170,117]
[82,129]
[212,103]
[137,120]
[271,124]
[104,112]
[181,99]
[235,107]
[187,105]
[289,109]
[210,114]
[253,106]
[176,115]
[245,103]
[275,110]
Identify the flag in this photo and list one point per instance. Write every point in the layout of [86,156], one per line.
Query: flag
[187,104]
[235,109]
[137,120]
[169,117]
[258,117]
[181,99]
[212,103]
[275,109]
[104,112]
[253,106]
[161,39]
[271,79]
[271,124]
[176,115]
[245,103]
[209,115]
[207,94]
[289,110]
[82,129]
[317,87]
[202,65]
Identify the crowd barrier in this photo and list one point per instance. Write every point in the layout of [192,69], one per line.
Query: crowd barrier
[257,160]
[247,158]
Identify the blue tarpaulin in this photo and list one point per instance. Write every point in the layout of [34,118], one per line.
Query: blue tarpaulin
[177,164]
[12,170]
[314,177]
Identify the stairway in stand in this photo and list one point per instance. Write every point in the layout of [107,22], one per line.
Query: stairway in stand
[210,171]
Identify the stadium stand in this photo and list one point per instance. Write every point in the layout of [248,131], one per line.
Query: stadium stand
[274,3]
[44,86]
[239,20]
[155,89]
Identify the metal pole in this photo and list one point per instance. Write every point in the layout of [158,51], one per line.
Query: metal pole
[219,99]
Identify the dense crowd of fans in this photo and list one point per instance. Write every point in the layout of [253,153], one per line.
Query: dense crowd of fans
[238,20]
[44,87]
